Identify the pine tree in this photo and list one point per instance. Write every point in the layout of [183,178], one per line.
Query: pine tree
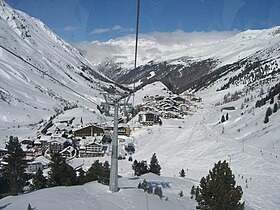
[275,107]
[182,173]
[143,167]
[68,174]
[272,100]
[268,111]
[105,173]
[217,190]
[94,171]
[29,207]
[144,185]
[39,181]
[14,170]
[135,167]
[158,191]
[150,190]
[227,116]
[61,173]
[81,179]
[154,166]
[140,167]
[192,192]
[197,197]
[181,194]
[266,119]
[54,174]
[223,119]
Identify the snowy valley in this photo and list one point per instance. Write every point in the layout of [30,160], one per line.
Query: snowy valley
[47,86]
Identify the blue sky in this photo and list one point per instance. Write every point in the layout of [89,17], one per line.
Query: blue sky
[88,20]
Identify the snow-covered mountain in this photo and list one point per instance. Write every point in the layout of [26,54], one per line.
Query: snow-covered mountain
[177,57]
[40,74]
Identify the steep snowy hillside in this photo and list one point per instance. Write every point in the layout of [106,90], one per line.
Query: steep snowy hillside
[244,140]
[40,74]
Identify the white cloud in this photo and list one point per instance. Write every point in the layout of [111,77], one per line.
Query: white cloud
[99,30]
[69,28]
[117,28]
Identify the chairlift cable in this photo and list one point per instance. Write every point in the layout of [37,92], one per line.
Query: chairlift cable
[135,55]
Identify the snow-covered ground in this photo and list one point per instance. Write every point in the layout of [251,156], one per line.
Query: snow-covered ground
[193,144]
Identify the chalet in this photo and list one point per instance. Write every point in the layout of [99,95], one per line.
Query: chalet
[146,108]
[33,167]
[55,146]
[44,142]
[169,101]
[171,108]
[159,98]
[27,142]
[179,100]
[148,98]
[169,115]
[67,121]
[91,150]
[123,129]
[149,118]
[91,130]
[184,108]
[33,152]
[68,152]
[196,99]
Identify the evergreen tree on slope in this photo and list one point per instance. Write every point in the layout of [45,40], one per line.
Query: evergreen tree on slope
[39,181]
[14,170]
[217,190]
[154,166]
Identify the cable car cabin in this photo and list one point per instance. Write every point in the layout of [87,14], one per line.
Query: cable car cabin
[149,118]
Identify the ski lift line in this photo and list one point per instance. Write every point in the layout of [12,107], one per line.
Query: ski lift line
[136,50]
[56,80]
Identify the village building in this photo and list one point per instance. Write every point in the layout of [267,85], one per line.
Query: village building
[33,167]
[148,98]
[196,99]
[55,146]
[149,118]
[68,152]
[90,130]
[147,108]
[44,142]
[33,152]
[27,142]
[168,115]
[123,129]
[92,149]
[179,100]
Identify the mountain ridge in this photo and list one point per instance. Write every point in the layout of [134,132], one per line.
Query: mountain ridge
[41,74]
